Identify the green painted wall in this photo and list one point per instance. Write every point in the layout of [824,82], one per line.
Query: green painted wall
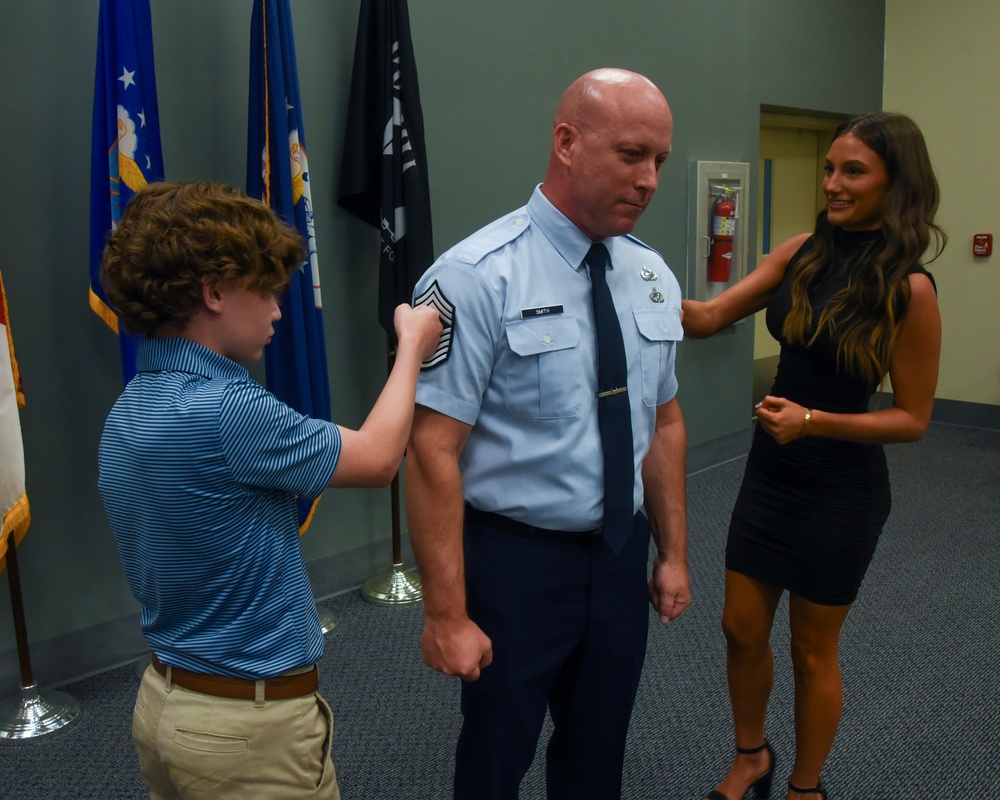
[490,77]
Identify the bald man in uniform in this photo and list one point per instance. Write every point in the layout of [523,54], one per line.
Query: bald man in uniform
[533,595]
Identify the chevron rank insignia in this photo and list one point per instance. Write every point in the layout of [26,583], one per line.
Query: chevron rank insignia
[435,298]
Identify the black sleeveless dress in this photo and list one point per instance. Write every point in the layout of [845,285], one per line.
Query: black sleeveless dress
[809,512]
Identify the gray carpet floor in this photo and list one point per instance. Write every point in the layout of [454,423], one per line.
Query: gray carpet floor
[920,659]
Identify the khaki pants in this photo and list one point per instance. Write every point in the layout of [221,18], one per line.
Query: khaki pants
[195,746]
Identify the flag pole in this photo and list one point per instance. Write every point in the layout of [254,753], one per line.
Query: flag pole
[32,715]
[397,585]
[383,181]
[278,173]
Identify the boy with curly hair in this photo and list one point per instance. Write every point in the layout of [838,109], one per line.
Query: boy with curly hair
[199,470]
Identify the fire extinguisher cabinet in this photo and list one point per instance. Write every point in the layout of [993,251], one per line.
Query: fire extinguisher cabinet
[718,224]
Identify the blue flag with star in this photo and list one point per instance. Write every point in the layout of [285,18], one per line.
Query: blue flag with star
[278,174]
[125,145]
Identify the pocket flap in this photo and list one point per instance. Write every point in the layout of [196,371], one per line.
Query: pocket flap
[659,326]
[529,337]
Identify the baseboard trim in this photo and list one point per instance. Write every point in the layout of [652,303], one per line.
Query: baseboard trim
[953,412]
[76,655]
[718,451]
[969,415]
[89,651]
[737,444]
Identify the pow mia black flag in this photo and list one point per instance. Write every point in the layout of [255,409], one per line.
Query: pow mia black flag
[384,172]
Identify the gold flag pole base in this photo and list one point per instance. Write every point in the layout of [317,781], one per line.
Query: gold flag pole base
[35,716]
[395,587]
[31,716]
[327,622]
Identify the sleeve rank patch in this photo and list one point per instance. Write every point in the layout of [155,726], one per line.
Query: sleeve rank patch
[435,298]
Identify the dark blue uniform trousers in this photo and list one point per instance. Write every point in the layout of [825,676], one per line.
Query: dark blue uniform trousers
[568,622]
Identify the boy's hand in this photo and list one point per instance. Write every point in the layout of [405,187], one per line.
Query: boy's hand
[420,327]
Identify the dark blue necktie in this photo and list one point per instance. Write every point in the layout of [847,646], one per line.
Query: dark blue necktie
[614,416]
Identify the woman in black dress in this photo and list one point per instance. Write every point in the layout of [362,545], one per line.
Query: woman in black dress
[848,304]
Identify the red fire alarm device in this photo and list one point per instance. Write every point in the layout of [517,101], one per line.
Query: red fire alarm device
[982,244]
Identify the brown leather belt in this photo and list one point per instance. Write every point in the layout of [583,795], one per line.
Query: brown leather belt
[284,687]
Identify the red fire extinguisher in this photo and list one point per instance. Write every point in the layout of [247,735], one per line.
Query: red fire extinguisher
[720,255]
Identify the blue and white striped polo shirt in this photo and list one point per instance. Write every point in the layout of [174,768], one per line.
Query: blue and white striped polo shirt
[199,467]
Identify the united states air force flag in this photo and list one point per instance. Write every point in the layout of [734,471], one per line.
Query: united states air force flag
[125,145]
[278,174]
[384,173]
[13,500]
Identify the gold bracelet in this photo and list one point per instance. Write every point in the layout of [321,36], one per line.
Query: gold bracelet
[805,421]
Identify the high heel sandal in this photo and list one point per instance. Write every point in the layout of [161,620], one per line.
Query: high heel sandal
[762,784]
[817,789]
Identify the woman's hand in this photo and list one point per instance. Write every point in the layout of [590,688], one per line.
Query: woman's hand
[782,419]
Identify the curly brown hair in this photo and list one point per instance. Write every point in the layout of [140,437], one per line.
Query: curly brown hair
[173,237]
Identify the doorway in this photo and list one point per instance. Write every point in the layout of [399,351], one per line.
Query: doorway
[792,153]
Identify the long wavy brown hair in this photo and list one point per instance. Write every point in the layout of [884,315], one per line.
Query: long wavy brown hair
[864,317]
[174,236]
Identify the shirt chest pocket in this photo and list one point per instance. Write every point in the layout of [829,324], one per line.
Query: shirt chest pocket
[544,374]
[659,332]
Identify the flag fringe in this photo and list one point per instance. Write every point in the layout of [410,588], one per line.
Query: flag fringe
[267,120]
[18,386]
[15,522]
[99,307]
[309,517]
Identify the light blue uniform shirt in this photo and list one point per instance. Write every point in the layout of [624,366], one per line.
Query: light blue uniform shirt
[199,467]
[521,365]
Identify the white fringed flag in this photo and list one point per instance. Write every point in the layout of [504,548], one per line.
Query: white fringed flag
[13,499]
